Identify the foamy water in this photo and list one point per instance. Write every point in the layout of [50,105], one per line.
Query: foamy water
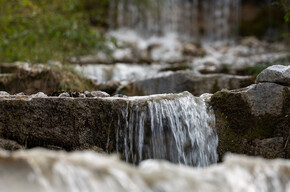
[180,130]
[46,171]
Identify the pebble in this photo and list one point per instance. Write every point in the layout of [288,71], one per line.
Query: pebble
[4,94]
[99,94]
[119,95]
[82,95]
[39,95]
[65,94]
[20,94]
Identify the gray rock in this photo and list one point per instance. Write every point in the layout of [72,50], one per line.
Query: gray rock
[4,94]
[9,145]
[20,94]
[176,82]
[270,148]
[206,97]
[66,123]
[275,74]
[248,119]
[119,95]
[82,95]
[88,94]
[65,94]
[99,94]
[265,98]
[39,95]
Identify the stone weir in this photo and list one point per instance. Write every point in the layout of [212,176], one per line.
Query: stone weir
[176,127]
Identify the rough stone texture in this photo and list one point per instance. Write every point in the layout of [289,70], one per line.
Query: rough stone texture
[249,120]
[275,74]
[67,123]
[31,79]
[266,98]
[9,145]
[191,81]
[271,148]
[64,122]
[64,95]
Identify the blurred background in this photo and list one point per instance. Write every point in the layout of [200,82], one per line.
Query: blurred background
[178,33]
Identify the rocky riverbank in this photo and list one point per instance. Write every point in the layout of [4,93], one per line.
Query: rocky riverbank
[253,120]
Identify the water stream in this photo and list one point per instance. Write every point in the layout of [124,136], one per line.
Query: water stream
[179,130]
[46,171]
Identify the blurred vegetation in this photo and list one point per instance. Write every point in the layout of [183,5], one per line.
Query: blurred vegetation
[258,68]
[42,30]
[286,6]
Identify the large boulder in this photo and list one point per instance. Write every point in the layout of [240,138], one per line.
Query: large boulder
[55,121]
[254,120]
[195,83]
[275,74]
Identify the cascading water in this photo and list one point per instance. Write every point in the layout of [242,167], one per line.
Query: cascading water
[213,20]
[178,129]
[221,19]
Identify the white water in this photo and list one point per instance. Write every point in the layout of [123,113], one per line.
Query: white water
[40,170]
[117,72]
[179,130]
[190,19]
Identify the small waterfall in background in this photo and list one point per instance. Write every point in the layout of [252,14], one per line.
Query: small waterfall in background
[210,20]
[221,18]
[179,130]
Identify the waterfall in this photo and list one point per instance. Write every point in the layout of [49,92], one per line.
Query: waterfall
[211,20]
[179,130]
[221,19]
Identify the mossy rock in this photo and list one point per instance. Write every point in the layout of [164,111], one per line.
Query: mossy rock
[246,116]
[44,79]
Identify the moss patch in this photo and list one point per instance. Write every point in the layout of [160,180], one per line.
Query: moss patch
[237,127]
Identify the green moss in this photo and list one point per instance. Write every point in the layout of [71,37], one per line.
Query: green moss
[238,128]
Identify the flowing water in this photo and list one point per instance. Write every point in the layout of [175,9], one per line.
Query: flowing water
[118,72]
[214,20]
[40,170]
[178,129]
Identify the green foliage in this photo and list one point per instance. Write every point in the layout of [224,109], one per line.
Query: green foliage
[38,31]
[286,6]
[287,17]
[258,68]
